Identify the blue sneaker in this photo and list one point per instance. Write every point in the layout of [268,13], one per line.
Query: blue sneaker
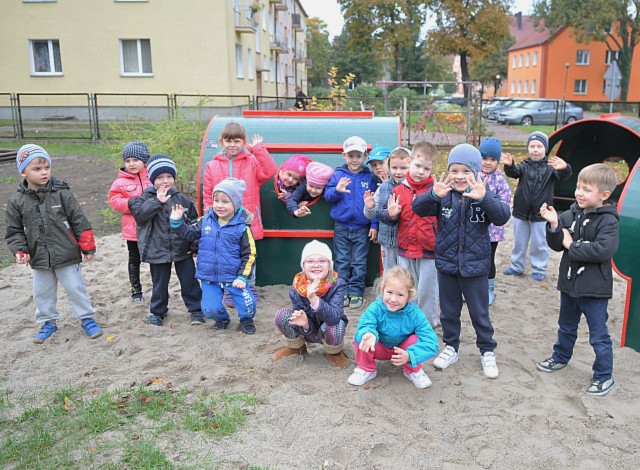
[91,328]
[155,320]
[512,272]
[48,328]
[537,277]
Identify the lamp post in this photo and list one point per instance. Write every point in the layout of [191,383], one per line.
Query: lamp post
[496,85]
[564,90]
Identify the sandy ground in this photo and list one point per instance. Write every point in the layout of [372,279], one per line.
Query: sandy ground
[311,417]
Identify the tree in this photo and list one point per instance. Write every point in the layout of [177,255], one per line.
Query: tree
[485,69]
[361,61]
[614,22]
[318,50]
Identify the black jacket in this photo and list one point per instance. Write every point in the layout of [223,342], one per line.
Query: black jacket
[585,268]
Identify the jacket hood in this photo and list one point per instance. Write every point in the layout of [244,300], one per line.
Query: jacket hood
[54,184]
[241,156]
[606,208]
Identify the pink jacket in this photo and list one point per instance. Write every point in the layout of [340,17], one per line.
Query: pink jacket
[124,188]
[254,169]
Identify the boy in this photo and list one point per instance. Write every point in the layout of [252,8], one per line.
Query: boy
[537,176]
[352,230]
[47,229]
[587,235]
[379,162]
[160,246]
[465,208]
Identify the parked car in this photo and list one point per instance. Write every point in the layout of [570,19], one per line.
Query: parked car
[540,112]
[458,101]
[491,110]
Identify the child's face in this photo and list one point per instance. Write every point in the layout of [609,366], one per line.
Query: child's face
[395,295]
[354,161]
[536,150]
[37,173]
[398,168]
[316,267]
[459,173]
[420,168]
[380,168]
[489,165]
[133,165]
[314,191]
[164,180]
[290,179]
[222,206]
[232,147]
[588,196]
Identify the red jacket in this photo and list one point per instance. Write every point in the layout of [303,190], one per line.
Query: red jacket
[124,188]
[416,235]
[254,169]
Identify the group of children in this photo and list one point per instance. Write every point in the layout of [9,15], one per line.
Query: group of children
[438,239]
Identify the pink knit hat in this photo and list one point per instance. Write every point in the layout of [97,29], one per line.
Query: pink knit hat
[297,163]
[319,174]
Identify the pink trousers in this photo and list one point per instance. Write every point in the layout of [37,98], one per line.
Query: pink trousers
[367,361]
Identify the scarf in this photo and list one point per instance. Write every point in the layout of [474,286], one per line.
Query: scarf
[418,186]
[300,283]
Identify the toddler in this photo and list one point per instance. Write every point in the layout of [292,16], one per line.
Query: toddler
[318,175]
[290,176]
[379,162]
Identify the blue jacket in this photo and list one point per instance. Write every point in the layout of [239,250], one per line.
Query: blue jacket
[330,310]
[299,194]
[387,233]
[225,252]
[462,241]
[348,208]
[392,328]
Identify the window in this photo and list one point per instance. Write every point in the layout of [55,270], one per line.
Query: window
[135,57]
[258,43]
[519,86]
[265,62]
[45,57]
[611,56]
[520,60]
[535,58]
[513,87]
[582,57]
[580,87]
[533,87]
[239,62]
[272,71]
[264,19]
[250,67]
[513,62]
[526,86]
[526,59]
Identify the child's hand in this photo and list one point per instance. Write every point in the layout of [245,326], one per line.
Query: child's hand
[478,188]
[373,235]
[557,163]
[299,318]
[368,342]
[239,284]
[369,199]
[341,187]
[549,214]
[506,159]
[303,203]
[302,211]
[177,212]
[23,258]
[393,205]
[442,186]
[312,288]
[257,139]
[568,239]
[163,194]
[282,194]
[87,257]
[400,357]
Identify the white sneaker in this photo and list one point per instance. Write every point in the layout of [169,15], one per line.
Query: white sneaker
[489,365]
[361,377]
[447,357]
[420,379]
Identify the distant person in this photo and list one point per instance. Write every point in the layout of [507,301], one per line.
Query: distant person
[301,99]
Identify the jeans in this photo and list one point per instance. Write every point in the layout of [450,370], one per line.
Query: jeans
[595,311]
[350,249]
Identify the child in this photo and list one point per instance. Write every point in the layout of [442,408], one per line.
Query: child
[160,246]
[379,162]
[317,314]
[132,180]
[393,328]
[47,230]
[491,151]
[291,173]
[226,253]
[352,230]
[587,235]
[417,235]
[318,175]
[465,208]
[536,175]
[375,204]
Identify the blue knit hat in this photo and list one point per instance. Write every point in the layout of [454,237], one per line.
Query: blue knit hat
[467,155]
[379,153]
[28,153]
[542,137]
[490,148]
[159,164]
[137,150]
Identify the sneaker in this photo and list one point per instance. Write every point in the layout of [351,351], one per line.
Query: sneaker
[489,365]
[137,297]
[91,328]
[447,357]
[550,365]
[355,302]
[361,377]
[46,330]
[601,388]
[247,326]
[345,302]
[197,318]
[221,324]
[420,379]
[512,272]
[155,320]
[537,277]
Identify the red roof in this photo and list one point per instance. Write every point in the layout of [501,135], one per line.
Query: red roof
[527,34]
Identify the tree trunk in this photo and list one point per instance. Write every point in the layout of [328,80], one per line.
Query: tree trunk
[398,61]
[464,70]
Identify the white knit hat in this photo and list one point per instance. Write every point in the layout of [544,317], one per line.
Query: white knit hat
[316,248]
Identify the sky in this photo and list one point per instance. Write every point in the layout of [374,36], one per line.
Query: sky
[329,11]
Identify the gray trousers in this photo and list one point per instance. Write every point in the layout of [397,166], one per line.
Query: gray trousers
[389,256]
[45,293]
[424,271]
[523,231]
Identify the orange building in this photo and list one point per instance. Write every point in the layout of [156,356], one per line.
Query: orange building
[546,64]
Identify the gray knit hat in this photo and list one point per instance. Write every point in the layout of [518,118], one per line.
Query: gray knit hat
[137,150]
[467,155]
[234,188]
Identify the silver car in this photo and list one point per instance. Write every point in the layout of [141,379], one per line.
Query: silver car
[540,112]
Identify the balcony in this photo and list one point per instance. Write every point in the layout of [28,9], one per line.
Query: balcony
[279,5]
[278,43]
[296,22]
[299,57]
[262,65]
[244,21]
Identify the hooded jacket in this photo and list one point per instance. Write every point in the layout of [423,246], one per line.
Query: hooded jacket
[125,187]
[348,208]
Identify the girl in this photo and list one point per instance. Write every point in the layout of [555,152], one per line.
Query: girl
[318,175]
[317,313]
[393,328]
[291,173]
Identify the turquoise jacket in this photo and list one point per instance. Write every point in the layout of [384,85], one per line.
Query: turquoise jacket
[392,328]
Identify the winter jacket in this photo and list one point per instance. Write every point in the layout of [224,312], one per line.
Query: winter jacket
[585,268]
[387,232]
[125,187]
[330,310]
[535,186]
[254,169]
[462,240]
[416,235]
[49,225]
[348,208]
[157,242]
[497,183]
[392,328]
[226,252]
[298,195]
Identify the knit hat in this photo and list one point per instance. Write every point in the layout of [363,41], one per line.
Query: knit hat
[159,164]
[316,248]
[467,155]
[542,137]
[136,150]
[297,163]
[379,153]
[234,188]
[29,152]
[490,148]
[354,144]
[319,174]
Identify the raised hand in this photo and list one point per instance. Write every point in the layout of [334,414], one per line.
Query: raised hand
[368,342]
[177,212]
[163,194]
[282,194]
[442,186]
[549,214]
[557,163]
[257,139]
[478,188]
[369,199]
[393,205]
[506,159]
[341,187]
